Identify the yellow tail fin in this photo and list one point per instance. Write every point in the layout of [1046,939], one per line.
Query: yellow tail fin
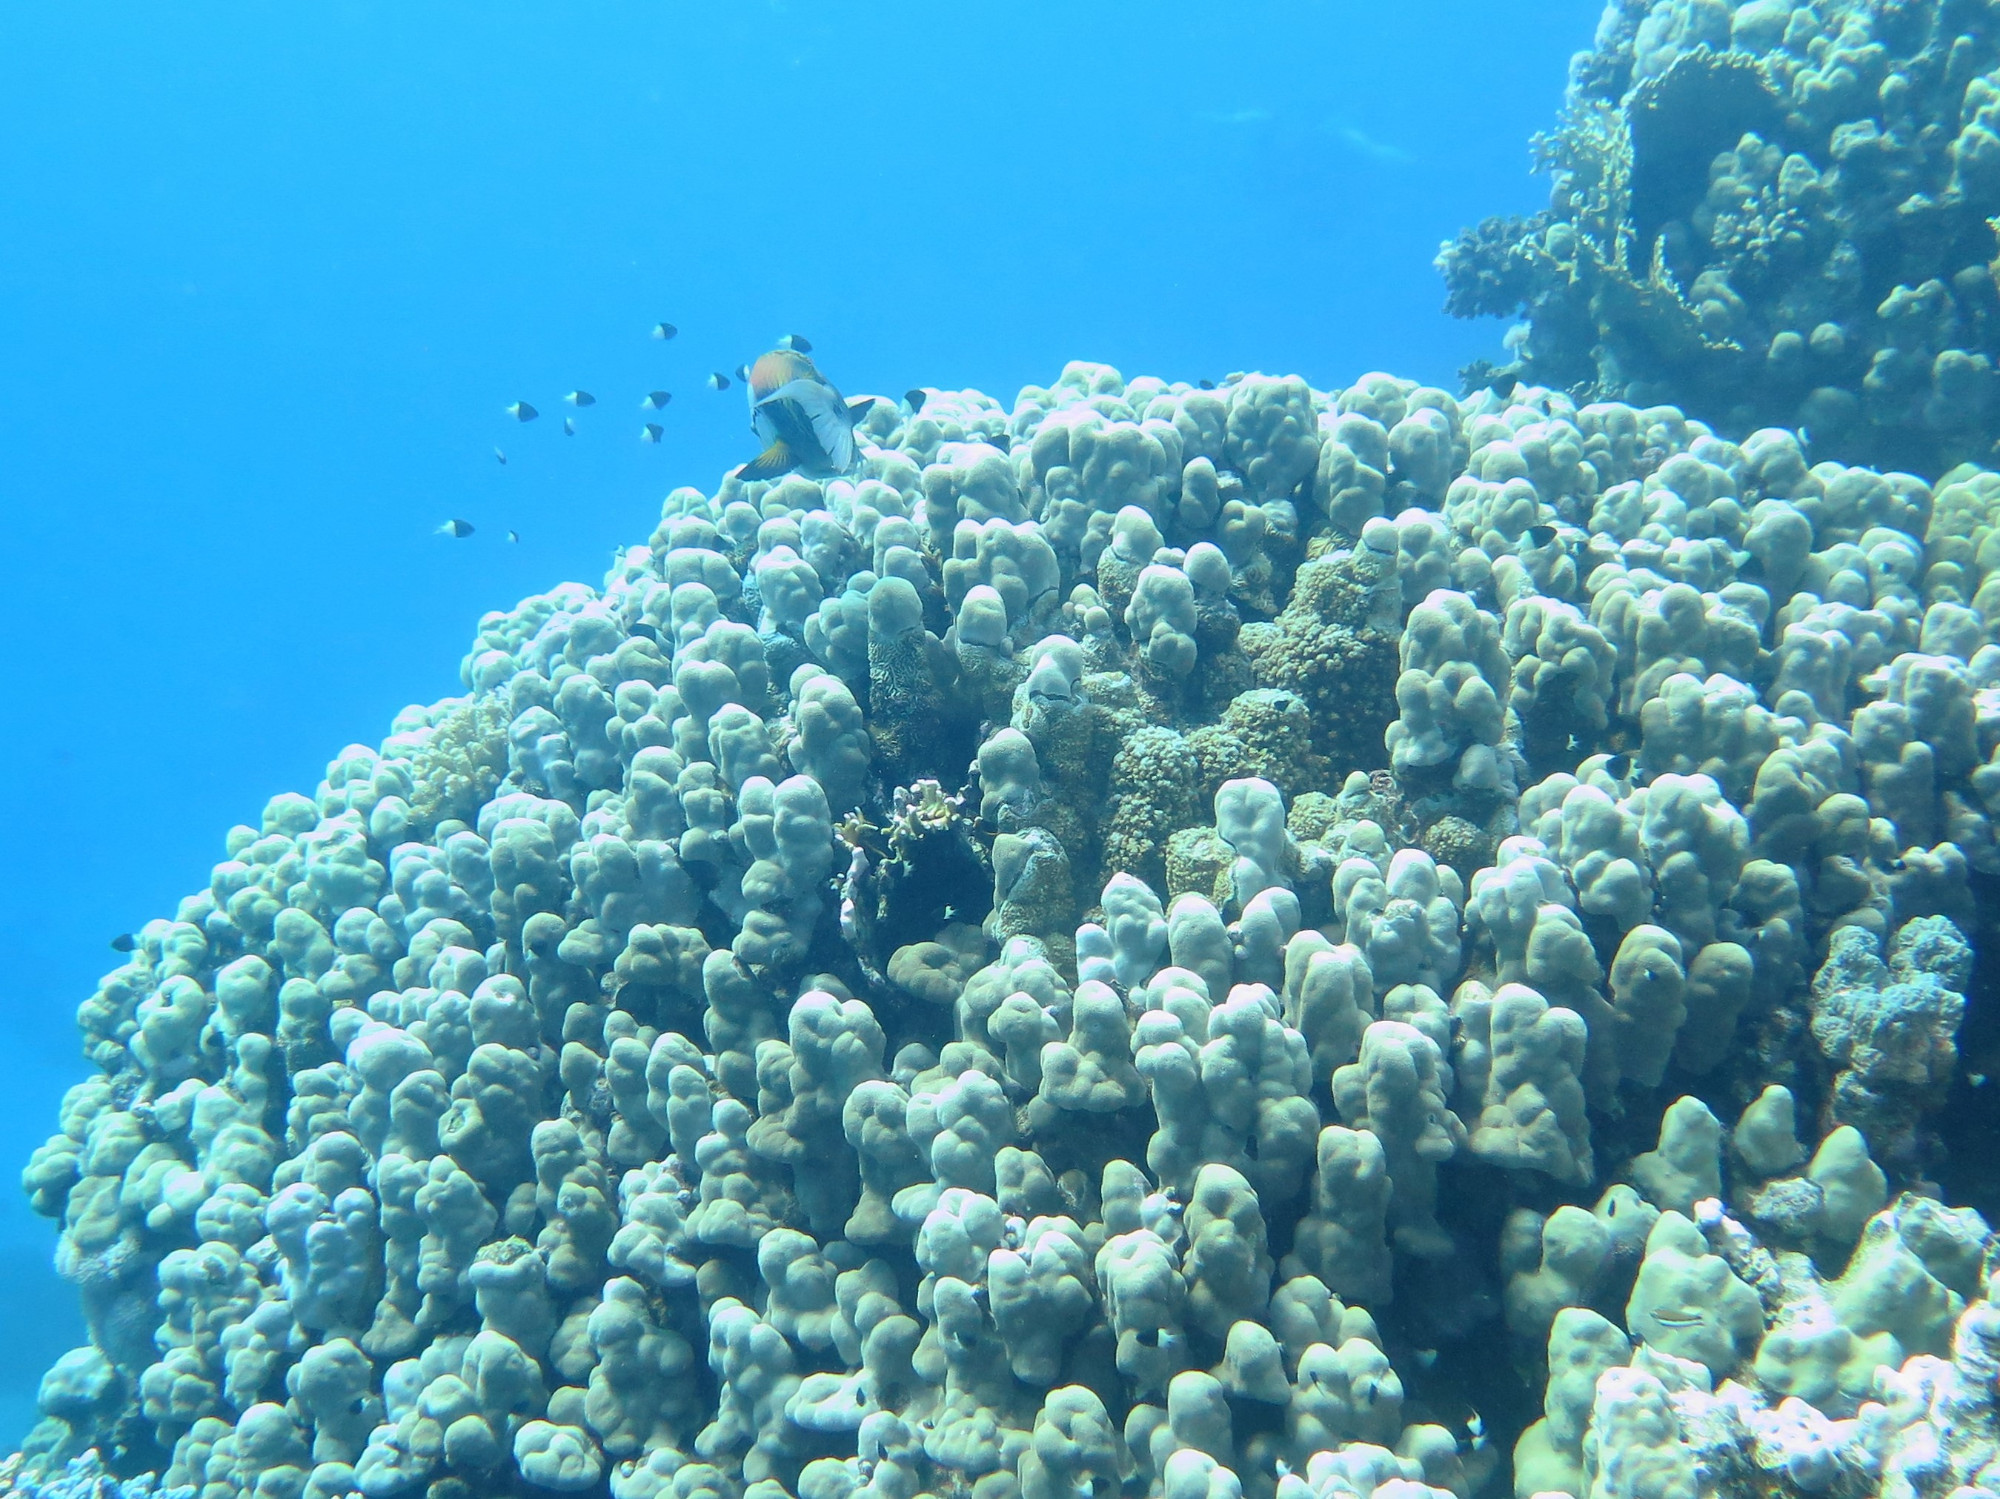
[775,460]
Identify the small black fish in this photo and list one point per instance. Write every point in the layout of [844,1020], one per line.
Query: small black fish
[664,331]
[1541,536]
[581,398]
[743,373]
[124,942]
[1206,384]
[717,381]
[1483,374]
[458,529]
[1001,441]
[916,399]
[569,427]
[1752,569]
[655,400]
[513,535]
[500,455]
[796,342]
[651,432]
[521,411]
[1620,766]
[646,632]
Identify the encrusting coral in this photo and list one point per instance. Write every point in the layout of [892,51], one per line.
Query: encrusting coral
[1132,945]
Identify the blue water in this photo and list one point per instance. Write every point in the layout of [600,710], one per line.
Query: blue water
[270,274]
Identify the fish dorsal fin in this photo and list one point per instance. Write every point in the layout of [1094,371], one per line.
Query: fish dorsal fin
[775,460]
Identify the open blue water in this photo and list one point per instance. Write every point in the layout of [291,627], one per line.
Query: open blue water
[270,273]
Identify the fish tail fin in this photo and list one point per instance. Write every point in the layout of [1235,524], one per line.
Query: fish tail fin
[775,460]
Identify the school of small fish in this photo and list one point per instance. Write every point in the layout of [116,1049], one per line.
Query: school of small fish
[802,422]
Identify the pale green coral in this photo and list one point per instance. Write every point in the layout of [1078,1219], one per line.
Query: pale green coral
[963,1130]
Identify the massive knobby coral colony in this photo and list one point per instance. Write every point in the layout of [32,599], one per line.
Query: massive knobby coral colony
[1775,214]
[1163,942]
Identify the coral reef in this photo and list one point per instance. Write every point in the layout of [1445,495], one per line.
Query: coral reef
[1161,941]
[1775,215]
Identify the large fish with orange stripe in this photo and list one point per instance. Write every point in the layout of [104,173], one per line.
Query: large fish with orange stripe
[805,424]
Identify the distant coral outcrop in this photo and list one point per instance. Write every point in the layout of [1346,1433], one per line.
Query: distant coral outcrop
[1772,215]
